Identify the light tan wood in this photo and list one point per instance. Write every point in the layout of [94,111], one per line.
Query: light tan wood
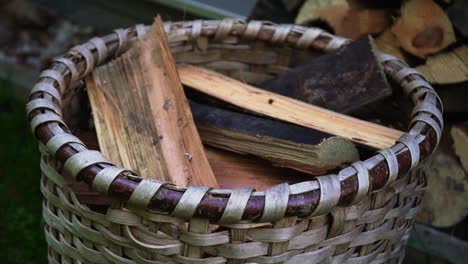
[142,117]
[423,28]
[447,67]
[287,109]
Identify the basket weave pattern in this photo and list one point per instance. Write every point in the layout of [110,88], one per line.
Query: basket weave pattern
[361,215]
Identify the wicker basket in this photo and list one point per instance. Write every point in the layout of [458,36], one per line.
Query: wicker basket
[361,215]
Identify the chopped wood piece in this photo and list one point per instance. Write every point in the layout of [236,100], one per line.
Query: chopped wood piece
[423,28]
[345,19]
[287,109]
[458,14]
[460,143]
[447,67]
[142,117]
[388,43]
[284,144]
[233,170]
[445,200]
[341,81]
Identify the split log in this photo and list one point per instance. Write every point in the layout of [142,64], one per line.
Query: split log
[142,117]
[233,170]
[286,145]
[445,200]
[343,18]
[287,109]
[447,67]
[341,81]
[423,28]
[459,135]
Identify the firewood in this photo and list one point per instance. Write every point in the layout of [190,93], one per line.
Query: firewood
[423,28]
[287,109]
[142,117]
[445,200]
[286,145]
[344,19]
[447,67]
[341,81]
[233,170]
[459,135]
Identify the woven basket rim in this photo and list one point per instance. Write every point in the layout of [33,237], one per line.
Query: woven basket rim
[313,197]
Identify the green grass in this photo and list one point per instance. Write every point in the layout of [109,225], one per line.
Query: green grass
[21,225]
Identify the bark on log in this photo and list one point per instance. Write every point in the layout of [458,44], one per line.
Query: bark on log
[342,81]
[142,117]
[286,145]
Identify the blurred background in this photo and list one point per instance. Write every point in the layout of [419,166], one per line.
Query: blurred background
[34,31]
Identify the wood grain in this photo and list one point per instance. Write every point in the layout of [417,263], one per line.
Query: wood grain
[142,117]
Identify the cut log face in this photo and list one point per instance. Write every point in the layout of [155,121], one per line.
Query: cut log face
[286,145]
[447,67]
[142,117]
[423,28]
[341,81]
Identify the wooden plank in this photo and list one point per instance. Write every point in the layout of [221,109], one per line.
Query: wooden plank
[142,117]
[287,109]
